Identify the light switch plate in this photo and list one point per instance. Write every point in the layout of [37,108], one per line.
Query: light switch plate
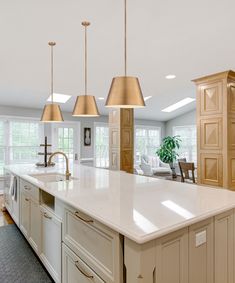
[200,238]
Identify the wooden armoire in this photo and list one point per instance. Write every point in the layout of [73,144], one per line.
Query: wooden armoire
[216,129]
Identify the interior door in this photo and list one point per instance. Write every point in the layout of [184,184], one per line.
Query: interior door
[66,138]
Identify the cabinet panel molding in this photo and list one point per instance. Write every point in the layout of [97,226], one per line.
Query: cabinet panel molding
[172,258]
[211,98]
[201,268]
[224,247]
[211,133]
[212,169]
[232,97]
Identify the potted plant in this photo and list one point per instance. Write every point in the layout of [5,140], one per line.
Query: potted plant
[168,151]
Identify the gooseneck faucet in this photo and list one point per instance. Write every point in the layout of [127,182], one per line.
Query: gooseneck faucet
[67,173]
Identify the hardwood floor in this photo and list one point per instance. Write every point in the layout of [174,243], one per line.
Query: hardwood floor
[5,218]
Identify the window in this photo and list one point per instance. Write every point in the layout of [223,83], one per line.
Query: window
[65,139]
[19,141]
[24,141]
[188,148]
[101,145]
[147,140]
[2,147]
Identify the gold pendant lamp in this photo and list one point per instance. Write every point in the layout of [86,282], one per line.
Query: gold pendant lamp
[52,112]
[85,105]
[125,92]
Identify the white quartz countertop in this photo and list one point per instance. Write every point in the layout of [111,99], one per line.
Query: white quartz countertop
[140,208]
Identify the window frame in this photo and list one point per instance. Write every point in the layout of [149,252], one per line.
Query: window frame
[148,128]
[188,126]
[7,146]
[100,124]
[54,137]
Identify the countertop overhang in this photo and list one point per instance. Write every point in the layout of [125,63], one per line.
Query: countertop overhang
[138,207]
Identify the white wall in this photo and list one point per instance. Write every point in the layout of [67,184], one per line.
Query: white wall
[185,119]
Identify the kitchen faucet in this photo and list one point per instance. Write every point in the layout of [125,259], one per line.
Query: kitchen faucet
[68,174]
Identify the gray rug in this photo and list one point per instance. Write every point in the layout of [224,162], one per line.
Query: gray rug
[18,263]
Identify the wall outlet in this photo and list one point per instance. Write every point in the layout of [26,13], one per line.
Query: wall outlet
[200,238]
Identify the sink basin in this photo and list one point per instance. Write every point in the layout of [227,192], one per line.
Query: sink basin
[50,177]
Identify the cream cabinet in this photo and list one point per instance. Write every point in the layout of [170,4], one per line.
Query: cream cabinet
[224,247]
[30,216]
[51,242]
[172,258]
[201,252]
[97,245]
[35,229]
[75,270]
[24,214]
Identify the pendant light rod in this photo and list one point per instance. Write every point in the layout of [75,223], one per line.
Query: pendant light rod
[52,44]
[125,37]
[86,24]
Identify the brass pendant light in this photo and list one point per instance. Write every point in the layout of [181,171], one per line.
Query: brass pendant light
[52,112]
[85,105]
[125,92]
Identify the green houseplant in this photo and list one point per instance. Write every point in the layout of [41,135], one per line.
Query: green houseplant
[168,151]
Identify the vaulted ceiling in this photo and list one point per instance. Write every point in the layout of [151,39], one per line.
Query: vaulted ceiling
[186,38]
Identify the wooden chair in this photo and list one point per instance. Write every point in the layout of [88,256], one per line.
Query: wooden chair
[185,169]
[182,160]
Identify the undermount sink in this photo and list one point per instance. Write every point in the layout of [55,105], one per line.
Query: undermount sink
[51,177]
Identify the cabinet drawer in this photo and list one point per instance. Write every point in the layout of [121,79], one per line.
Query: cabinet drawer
[32,190]
[96,244]
[75,270]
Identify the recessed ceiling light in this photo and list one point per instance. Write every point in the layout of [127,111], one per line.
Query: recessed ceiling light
[179,104]
[147,98]
[170,77]
[101,98]
[59,98]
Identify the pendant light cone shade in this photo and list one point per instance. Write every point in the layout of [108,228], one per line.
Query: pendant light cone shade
[125,92]
[52,113]
[85,106]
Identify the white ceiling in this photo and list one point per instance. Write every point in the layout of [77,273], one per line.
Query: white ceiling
[187,38]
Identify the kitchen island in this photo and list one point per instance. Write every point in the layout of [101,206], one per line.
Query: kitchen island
[111,226]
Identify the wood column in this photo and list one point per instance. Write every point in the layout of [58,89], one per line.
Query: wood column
[121,139]
[216,129]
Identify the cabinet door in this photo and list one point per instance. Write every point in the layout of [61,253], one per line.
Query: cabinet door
[25,214]
[35,228]
[77,271]
[172,258]
[224,247]
[51,243]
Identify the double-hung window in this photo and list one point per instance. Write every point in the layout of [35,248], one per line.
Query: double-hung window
[2,146]
[188,148]
[19,141]
[24,141]
[147,141]
[101,145]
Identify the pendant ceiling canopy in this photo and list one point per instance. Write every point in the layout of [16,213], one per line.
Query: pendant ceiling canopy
[85,105]
[125,92]
[52,112]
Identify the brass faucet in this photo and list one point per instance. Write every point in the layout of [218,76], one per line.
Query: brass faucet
[67,174]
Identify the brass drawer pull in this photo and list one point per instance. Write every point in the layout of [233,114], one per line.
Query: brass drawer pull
[83,272]
[78,216]
[27,188]
[47,216]
[27,199]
